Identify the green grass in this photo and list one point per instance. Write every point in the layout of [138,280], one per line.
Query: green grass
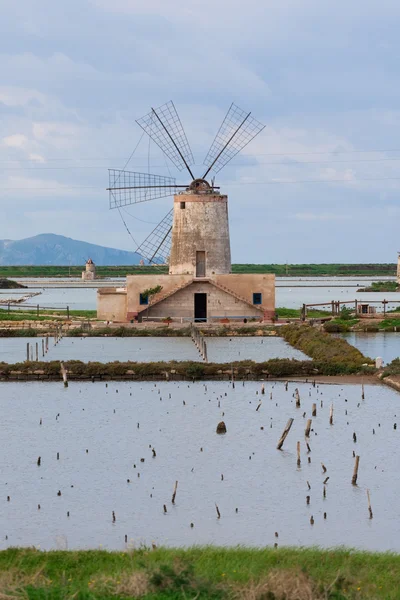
[201,573]
[340,325]
[321,346]
[294,313]
[381,286]
[389,324]
[300,270]
[31,314]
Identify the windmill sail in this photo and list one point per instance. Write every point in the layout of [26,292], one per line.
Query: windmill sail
[127,187]
[237,130]
[164,127]
[156,247]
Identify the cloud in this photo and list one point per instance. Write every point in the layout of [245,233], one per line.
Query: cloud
[323,77]
[17,140]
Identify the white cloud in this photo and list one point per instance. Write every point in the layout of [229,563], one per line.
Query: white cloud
[19,96]
[17,140]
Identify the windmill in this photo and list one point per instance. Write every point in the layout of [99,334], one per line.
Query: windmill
[164,127]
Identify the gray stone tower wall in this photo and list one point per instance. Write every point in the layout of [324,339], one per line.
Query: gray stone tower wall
[200,225]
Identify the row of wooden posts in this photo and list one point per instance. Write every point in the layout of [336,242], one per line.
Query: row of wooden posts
[200,342]
[45,346]
[289,424]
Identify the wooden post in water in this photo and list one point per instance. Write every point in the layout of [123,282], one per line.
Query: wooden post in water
[355,471]
[174,492]
[37,351]
[31,352]
[314,410]
[47,343]
[308,428]
[298,454]
[331,415]
[362,392]
[369,505]
[285,433]
[27,351]
[297,396]
[64,374]
[42,346]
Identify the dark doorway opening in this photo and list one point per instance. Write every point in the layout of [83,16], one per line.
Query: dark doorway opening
[200,264]
[200,307]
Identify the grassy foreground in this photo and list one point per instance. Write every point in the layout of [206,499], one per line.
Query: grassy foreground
[210,572]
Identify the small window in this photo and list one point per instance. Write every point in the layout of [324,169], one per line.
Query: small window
[143,299]
[257,298]
[183,204]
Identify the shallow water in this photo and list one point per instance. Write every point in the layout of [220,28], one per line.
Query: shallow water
[291,292]
[151,349]
[385,344]
[263,483]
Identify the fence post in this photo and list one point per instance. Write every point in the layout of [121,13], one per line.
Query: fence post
[68,313]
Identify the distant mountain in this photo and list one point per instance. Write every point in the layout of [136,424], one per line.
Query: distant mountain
[51,249]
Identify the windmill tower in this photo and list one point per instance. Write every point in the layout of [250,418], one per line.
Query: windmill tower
[195,232]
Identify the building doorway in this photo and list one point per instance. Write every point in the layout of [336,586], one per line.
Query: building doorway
[200,307]
[200,264]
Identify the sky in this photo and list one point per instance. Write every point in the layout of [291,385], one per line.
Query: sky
[321,182]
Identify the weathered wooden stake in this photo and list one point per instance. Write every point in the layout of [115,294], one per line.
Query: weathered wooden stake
[258,406]
[218,513]
[369,505]
[37,351]
[324,469]
[362,392]
[64,374]
[42,346]
[297,396]
[314,410]
[308,428]
[27,352]
[298,454]
[286,385]
[174,492]
[331,415]
[355,471]
[285,433]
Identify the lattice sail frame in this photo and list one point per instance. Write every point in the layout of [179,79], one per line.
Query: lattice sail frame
[164,127]
[237,130]
[156,247]
[129,187]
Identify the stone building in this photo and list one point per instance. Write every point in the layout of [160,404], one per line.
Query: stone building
[200,285]
[89,274]
[398,268]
